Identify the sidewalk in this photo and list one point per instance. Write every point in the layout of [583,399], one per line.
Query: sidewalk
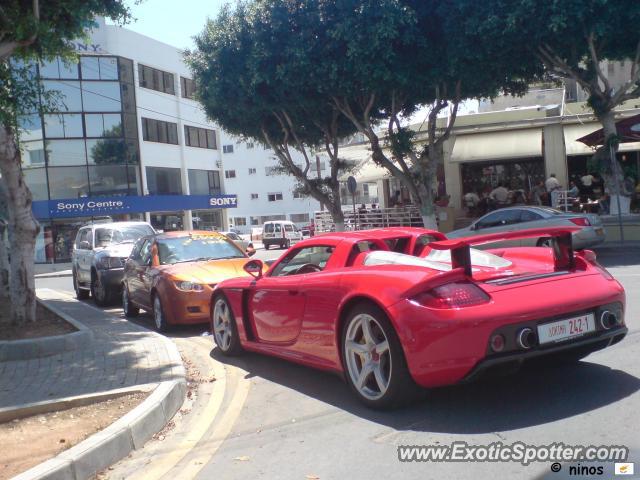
[121,355]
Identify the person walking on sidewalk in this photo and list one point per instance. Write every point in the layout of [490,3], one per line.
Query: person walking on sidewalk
[553,188]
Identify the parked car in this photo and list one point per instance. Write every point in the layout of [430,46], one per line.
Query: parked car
[172,275]
[391,322]
[245,245]
[98,257]
[510,219]
[280,232]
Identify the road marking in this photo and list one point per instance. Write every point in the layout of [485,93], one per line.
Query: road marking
[163,466]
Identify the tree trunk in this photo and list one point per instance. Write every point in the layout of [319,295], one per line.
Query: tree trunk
[338,217]
[4,251]
[613,174]
[23,229]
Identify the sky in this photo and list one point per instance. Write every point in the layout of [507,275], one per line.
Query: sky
[172,21]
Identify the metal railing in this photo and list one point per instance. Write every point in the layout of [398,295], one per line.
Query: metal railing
[371,218]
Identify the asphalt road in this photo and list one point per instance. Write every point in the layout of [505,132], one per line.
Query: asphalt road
[272,419]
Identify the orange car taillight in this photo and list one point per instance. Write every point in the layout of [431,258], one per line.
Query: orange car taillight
[581,221]
[453,295]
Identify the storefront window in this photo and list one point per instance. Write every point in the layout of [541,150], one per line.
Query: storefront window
[167,222]
[107,151]
[109,180]
[68,182]
[207,219]
[67,125]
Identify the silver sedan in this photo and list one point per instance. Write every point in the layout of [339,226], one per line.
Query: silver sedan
[523,217]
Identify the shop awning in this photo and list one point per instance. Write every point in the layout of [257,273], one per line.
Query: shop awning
[497,145]
[572,134]
[368,171]
[628,131]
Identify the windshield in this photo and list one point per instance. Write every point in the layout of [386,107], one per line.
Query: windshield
[106,236]
[196,248]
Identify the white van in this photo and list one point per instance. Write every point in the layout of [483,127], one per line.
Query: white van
[280,232]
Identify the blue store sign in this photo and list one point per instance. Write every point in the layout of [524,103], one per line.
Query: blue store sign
[100,206]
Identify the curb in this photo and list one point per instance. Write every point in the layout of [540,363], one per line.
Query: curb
[116,441]
[128,433]
[38,408]
[29,348]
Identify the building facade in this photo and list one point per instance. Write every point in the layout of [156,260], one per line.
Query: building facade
[127,140]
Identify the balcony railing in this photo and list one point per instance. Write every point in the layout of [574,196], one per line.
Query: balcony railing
[371,218]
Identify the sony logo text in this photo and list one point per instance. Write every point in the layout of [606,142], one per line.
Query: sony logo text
[230,201]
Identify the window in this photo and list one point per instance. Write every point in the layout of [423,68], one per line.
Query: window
[240,221]
[156,79]
[292,263]
[99,68]
[255,221]
[101,97]
[103,125]
[499,218]
[204,182]
[107,151]
[66,152]
[252,171]
[57,68]
[109,180]
[67,125]
[321,165]
[529,216]
[297,194]
[254,196]
[250,145]
[159,131]
[84,235]
[188,87]
[229,174]
[68,97]
[199,137]
[36,179]
[164,181]
[299,217]
[227,149]
[68,182]
[272,197]
[270,171]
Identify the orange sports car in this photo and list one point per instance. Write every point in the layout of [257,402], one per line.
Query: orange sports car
[172,275]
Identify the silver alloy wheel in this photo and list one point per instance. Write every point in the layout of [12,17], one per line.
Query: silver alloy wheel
[368,357]
[98,289]
[157,312]
[222,324]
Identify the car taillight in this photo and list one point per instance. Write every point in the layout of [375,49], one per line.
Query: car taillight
[453,295]
[581,221]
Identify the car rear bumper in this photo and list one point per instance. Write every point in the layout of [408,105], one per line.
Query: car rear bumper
[589,237]
[511,362]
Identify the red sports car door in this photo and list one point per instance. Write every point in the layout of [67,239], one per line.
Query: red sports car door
[277,305]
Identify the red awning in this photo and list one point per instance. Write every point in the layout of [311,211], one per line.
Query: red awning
[628,131]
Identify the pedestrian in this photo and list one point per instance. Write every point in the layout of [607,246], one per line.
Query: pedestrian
[539,194]
[553,189]
[499,195]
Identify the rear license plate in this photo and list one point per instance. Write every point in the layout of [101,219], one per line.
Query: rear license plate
[599,231]
[566,329]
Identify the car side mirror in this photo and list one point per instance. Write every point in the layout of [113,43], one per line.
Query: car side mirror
[254,268]
[251,252]
[84,245]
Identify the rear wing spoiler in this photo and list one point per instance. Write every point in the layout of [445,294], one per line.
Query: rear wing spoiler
[561,241]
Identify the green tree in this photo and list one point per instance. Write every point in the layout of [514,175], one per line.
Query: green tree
[250,66]
[389,58]
[572,39]
[32,31]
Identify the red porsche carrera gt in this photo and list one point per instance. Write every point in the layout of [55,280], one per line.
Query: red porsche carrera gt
[394,309]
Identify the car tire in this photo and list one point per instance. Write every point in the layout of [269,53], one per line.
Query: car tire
[81,294]
[129,309]
[159,317]
[287,244]
[387,383]
[99,291]
[224,328]
[266,246]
